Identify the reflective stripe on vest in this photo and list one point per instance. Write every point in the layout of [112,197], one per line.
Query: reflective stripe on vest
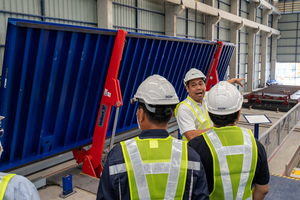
[202,117]
[4,179]
[222,152]
[121,168]
[197,112]
[140,169]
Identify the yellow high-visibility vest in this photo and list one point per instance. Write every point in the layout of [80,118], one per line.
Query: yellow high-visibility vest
[156,168]
[234,153]
[203,118]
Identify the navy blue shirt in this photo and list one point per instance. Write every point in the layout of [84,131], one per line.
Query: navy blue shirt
[116,186]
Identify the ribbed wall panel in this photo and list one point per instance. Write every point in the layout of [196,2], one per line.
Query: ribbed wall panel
[25,6]
[140,15]
[287,48]
[124,16]
[190,24]
[54,79]
[80,10]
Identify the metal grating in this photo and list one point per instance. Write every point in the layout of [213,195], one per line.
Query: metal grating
[278,90]
[53,79]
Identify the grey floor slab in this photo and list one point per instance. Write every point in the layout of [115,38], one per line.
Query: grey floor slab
[283,188]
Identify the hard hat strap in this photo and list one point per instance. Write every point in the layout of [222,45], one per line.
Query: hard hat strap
[158,109]
[149,108]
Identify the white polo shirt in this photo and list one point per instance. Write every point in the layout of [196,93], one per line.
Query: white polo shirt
[186,118]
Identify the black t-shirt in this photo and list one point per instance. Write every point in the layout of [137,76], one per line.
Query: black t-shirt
[261,177]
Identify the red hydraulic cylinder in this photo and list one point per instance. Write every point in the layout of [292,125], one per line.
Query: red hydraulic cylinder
[111,97]
[212,75]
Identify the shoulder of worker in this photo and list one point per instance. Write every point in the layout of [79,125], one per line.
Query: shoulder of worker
[21,187]
[115,155]
[183,109]
[260,149]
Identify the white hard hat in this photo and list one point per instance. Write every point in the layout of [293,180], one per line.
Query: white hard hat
[224,99]
[193,74]
[156,90]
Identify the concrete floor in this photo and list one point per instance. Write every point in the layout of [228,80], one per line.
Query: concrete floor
[86,186]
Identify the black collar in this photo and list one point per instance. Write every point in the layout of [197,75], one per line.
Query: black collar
[154,133]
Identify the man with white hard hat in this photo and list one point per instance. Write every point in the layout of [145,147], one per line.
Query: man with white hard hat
[233,159]
[191,114]
[12,186]
[153,165]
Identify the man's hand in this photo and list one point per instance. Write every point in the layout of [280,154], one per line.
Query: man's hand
[236,80]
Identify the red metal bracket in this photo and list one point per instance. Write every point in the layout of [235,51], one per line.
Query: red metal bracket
[212,75]
[250,97]
[111,97]
[286,101]
[257,99]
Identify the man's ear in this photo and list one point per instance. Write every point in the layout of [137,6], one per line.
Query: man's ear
[187,88]
[142,114]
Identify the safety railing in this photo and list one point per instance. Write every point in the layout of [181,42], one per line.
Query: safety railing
[277,133]
[292,163]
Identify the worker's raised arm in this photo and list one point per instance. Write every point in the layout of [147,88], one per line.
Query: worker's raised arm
[194,133]
[236,80]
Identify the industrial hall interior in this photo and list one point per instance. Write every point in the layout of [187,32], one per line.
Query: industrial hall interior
[149,99]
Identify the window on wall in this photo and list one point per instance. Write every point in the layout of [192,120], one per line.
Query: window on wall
[242,55]
[288,73]
[141,16]
[190,24]
[243,44]
[222,28]
[257,62]
[288,45]
[289,7]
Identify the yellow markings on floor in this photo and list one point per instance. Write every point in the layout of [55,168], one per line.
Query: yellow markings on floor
[285,176]
[295,173]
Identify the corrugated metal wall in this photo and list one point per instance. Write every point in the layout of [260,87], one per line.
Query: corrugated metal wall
[289,7]
[222,29]
[288,49]
[190,24]
[27,7]
[80,12]
[139,15]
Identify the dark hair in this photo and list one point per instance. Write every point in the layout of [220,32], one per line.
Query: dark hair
[223,120]
[162,114]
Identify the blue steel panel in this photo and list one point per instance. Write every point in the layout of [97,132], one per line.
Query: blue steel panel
[224,61]
[53,79]
[28,67]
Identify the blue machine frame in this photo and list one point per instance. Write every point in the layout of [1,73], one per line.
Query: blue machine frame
[53,77]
